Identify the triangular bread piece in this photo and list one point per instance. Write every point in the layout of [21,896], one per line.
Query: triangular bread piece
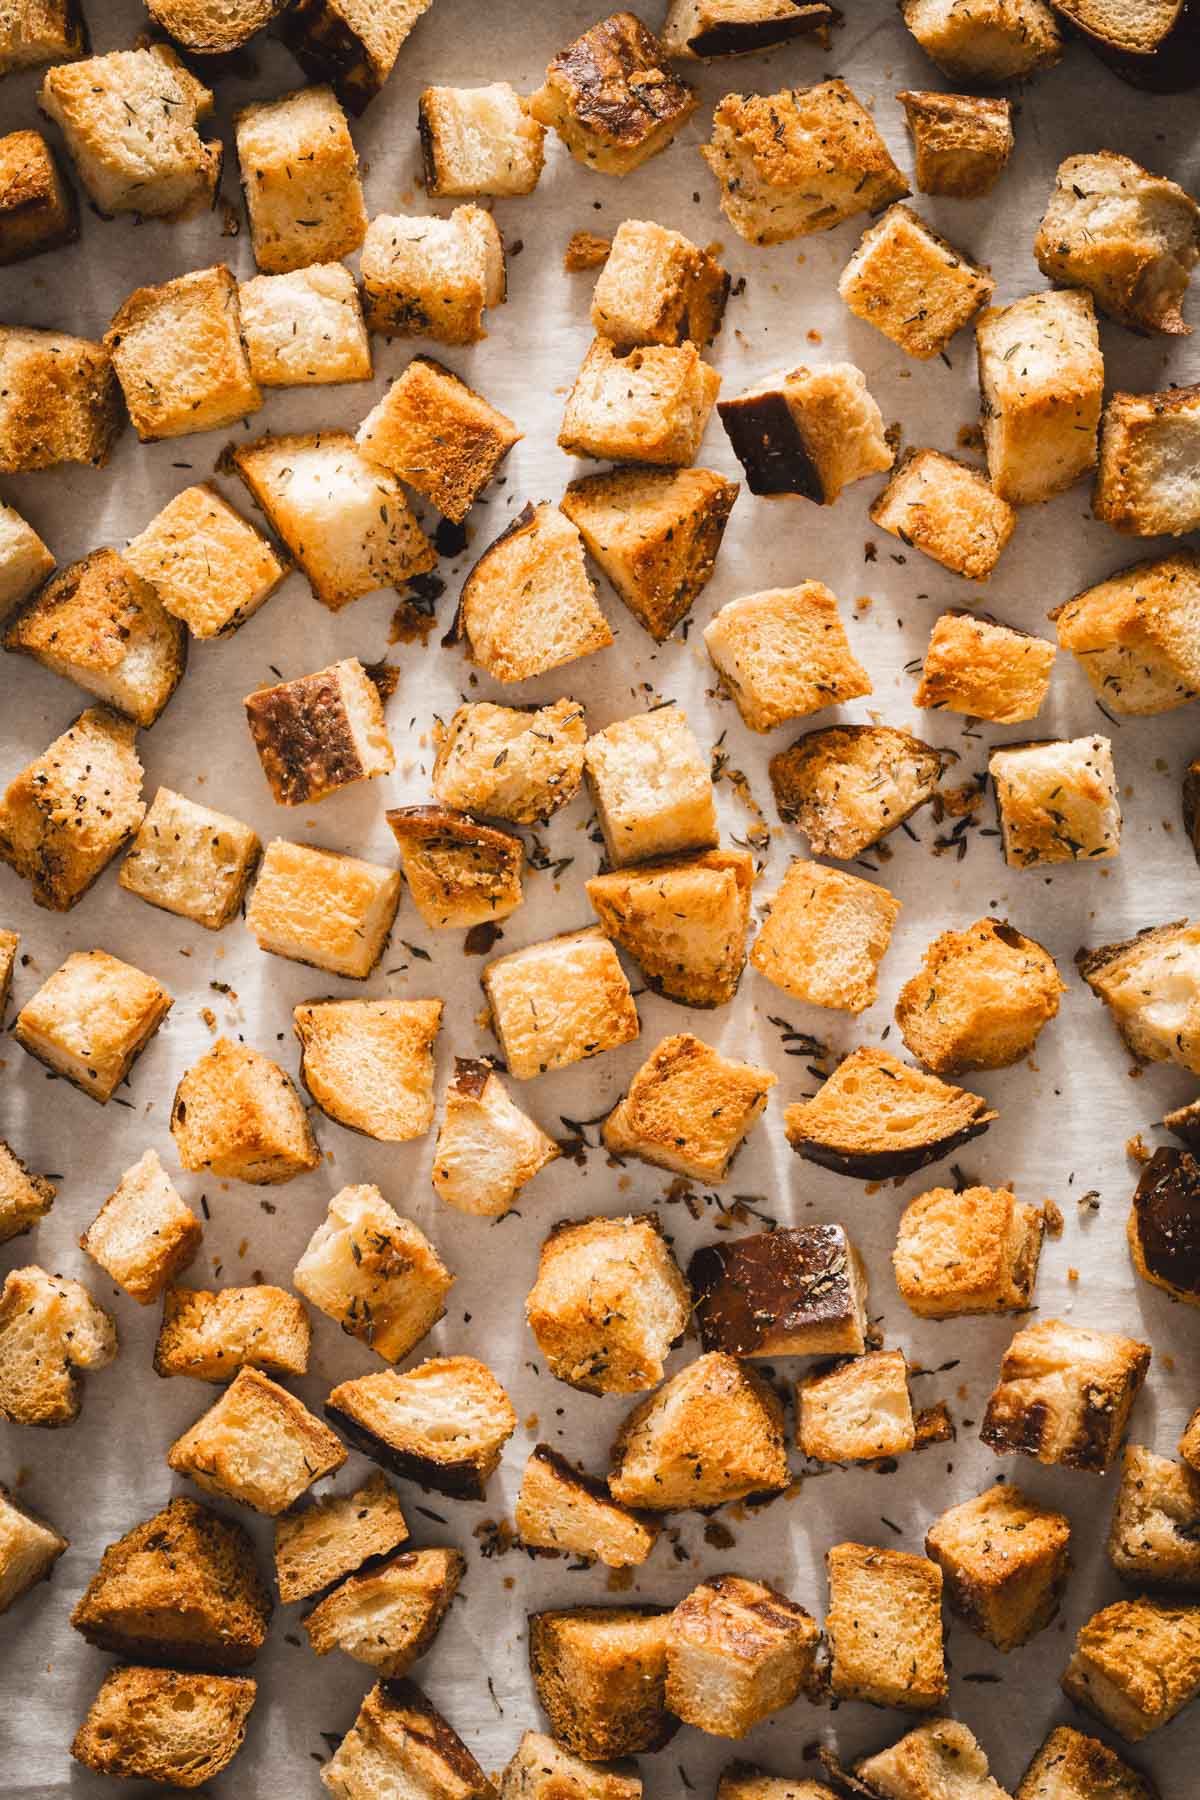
[683,921]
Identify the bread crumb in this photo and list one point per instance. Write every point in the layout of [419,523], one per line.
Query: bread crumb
[1137,1148]
[1054,1219]
[585,250]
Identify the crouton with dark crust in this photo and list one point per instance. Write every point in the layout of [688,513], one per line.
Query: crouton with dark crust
[561,1508]
[24,1197]
[1004,1560]
[1163,1230]
[600,1675]
[399,1738]
[795,1291]
[443,1425]
[710,28]
[807,432]
[459,871]
[875,1117]
[479,140]
[961,142]
[487,1148]
[847,786]
[612,98]
[319,732]
[1070,1766]
[350,43]
[1065,1394]
[38,210]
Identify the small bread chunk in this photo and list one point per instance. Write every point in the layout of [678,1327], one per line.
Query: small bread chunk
[480,140]
[612,98]
[884,1627]
[320,732]
[798,161]
[430,277]
[655,533]
[541,1769]
[940,1761]
[1130,237]
[459,872]
[25,561]
[299,171]
[1189,1443]
[1154,1539]
[646,405]
[1041,385]
[1057,801]
[784,654]
[507,763]
[652,785]
[985,670]
[24,1197]
[144,1234]
[608,1303]
[683,921]
[961,142]
[438,435]
[657,287]
[38,211]
[29,1549]
[1004,1560]
[159,1725]
[377,1274]
[807,431]
[707,28]
[600,1673]
[1163,1229]
[847,786]
[970,1251]
[49,1328]
[236,1114]
[561,1508]
[398,1738]
[1184,1121]
[34,32]
[1136,1664]
[529,605]
[991,41]
[688,1108]
[350,43]
[712,1433]
[91,1020]
[65,816]
[947,511]
[1065,1394]
[557,1002]
[211,1335]
[129,120]
[1148,478]
[742,1780]
[443,1425]
[335,1537]
[319,907]
[388,1616]
[189,860]
[209,567]
[305,328]
[912,284]
[60,401]
[1070,1766]
[257,1444]
[797,1291]
[487,1148]
[368,1064]
[876,1118]
[9,944]
[1151,986]
[857,1411]
[181,1588]
[824,936]
[737,1651]
[212,27]
[180,357]
[1137,635]
[980,999]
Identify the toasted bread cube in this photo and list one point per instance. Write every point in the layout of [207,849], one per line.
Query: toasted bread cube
[430,277]
[1161,1228]
[438,435]
[183,1587]
[876,1118]
[237,1115]
[857,1411]
[37,208]
[991,41]
[210,1336]
[1065,1394]
[947,511]
[683,921]
[600,1674]
[1004,1560]
[299,170]
[1070,1766]
[799,161]
[1041,384]
[657,287]
[541,1769]
[159,1725]
[319,907]
[1057,801]
[91,1020]
[940,1759]
[784,654]
[209,566]
[349,43]
[180,358]
[24,1197]
[257,1444]
[807,432]
[65,816]
[319,733]
[41,31]
[375,1273]
[443,1425]
[1136,1664]
[969,1251]
[560,1508]
[398,1738]
[557,1002]
[825,935]
[60,401]
[911,283]
[884,1627]
[529,604]
[487,1148]
[1147,482]
[612,98]
[305,328]
[961,142]
[335,1537]
[1189,1443]
[144,1234]
[608,1303]
[25,561]
[738,1651]
[1137,635]
[9,942]
[652,786]
[712,1433]
[797,1291]
[742,1780]
[985,670]
[709,28]
[688,1108]
[49,1328]
[388,1616]
[847,786]
[980,1000]
[459,872]
[646,405]
[29,1549]
[188,859]
[1154,1538]
[1151,986]
[480,140]
[507,763]
[208,29]
[368,1064]
[1184,1121]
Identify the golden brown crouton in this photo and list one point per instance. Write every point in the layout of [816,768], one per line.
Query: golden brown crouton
[49,1328]
[912,284]
[38,211]
[984,669]
[389,1615]
[479,140]
[847,786]
[990,41]
[60,400]
[652,786]
[688,1108]
[542,1769]
[1146,479]
[1057,801]
[783,654]
[155,1724]
[179,355]
[961,142]
[398,1737]
[942,1759]
[299,172]
[712,1433]
[737,1651]
[47,32]
[24,1197]
[1004,1560]
[25,561]
[443,1425]
[529,604]
[683,920]
[508,763]
[29,1549]
[1041,385]
[875,1117]
[189,860]
[808,432]
[557,1002]
[425,276]
[209,566]
[320,732]
[1137,635]
[857,1411]
[487,1148]
[1070,1766]
[825,935]
[91,1020]
[561,1508]
[645,405]
[438,435]
[795,1291]
[947,511]
[210,1336]
[884,1627]
[368,1064]
[375,1273]
[600,1674]
[143,1235]
[237,1114]
[335,1537]
[657,287]
[305,328]
[319,907]
[710,28]
[980,1000]
[608,1303]
[1189,1443]
[459,871]
[257,1444]
[1151,986]
[1065,1394]
[1154,1538]
[969,1251]
[1136,1664]
[611,97]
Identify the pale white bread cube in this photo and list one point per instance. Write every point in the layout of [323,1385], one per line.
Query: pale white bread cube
[657,287]
[1057,801]
[712,1433]
[487,1148]
[557,1002]
[912,284]
[304,328]
[323,908]
[368,1064]
[335,1536]
[144,1234]
[190,860]
[33,32]
[961,142]
[824,936]
[178,352]
[612,97]
[688,1108]
[1136,1664]
[209,567]
[683,921]
[300,177]
[351,43]
[480,140]
[807,431]
[49,1329]
[24,1197]
[985,670]
[1137,635]
[507,763]
[29,1549]
[388,1616]
[443,1425]
[1041,385]
[783,654]
[946,510]
[710,28]
[988,41]
[236,1114]
[737,1651]
[645,405]
[542,1769]
[529,604]
[257,1444]
[25,561]
[430,277]
[1151,986]
[965,1252]
[652,786]
[374,1272]
[438,435]
[210,1335]
[943,1759]
[91,1019]
[320,732]
[60,400]
[1148,478]
[859,1410]
[399,1743]
[560,1508]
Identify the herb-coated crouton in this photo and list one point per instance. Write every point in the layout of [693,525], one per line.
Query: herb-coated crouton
[144,1234]
[212,27]
[299,174]
[60,401]
[320,732]
[847,786]
[611,97]
[368,1064]
[712,1433]
[1136,1664]
[683,921]
[1163,1229]
[875,1118]
[652,786]
[784,654]
[825,934]
[160,1725]
[237,1115]
[388,1616]
[1137,635]
[430,277]
[65,816]
[1065,1394]
[742,1780]
[335,1537]
[980,999]
[41,31]
[1151,986]
[1189,1443]
[556,1002]
[541,1769]
[211,1335]
[961,142]
[438,435]
[912,284]
[257,1444]
[985,670]
[1154,1538]
[737,1651]
[24,1197]
[319,907]
[305,328]
[180,358]
[807,431]
[443,1425]
[796,1291]
[508,763]
[688,1108]
[1147,482]
[857,1411]
[188,859]
[529,605]
[608,1303]
[29,1549]
[947,511]
[561,1508]
[91,1020]
[49,1329]
[480,140]
[1004,1560]
[939,1761]
[25,561]
[37,208]
[1070,1766]
[209,566]
[645,405]
[350,43]
[990,41]
[398,1737]
[375,1273]
[969,1251]
[1041,385]
[600,1674]
[657,287]
[884,1627]
[1057,801]
[707,28]
[487,1148]
[459,871]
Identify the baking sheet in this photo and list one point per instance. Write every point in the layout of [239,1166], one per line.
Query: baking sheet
[1064,1117]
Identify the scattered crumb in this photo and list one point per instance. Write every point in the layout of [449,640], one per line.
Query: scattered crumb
[1137,1148]
[585,250]
[1053,1217]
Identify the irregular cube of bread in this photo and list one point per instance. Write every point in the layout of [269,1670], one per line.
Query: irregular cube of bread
[797,1291]
[33,32]
[65,816]
[443,1425]
[257,1444]
[806,431]
[708,28]
[712,1433]
[1154,1538]
[24,1197]
[1151,986]
[1189,1443]
[388,1616]
[1004,1560]
[541,1769]
[645,405]
[319,907]
[335,1537]
[129,120]
[37,208]
[612,98]
[399,1741]
[1136,1664]
[1163,1229]
[961,142]
[431,277]
[683,921]
[508,763]
[208,565]
[857,1411]
[159,1725]
[1137,635]
[29,1549]
[1065,1394]
[973,1250]
[210,1336]
[377,1274]
[1041,385]
[459,872]
[561,1508]
[912,284]
[188,859]
[320,732]
[847,786]
[991,41]
[49,1328]
[305,328]
[299,172]
[1147,481]
[608,1303]
[742,1780]
[25,561]
[985,670]
[182,1588]
[212,27]
[438,435]
[947,511]
[180,358]
[876,1118]
[558,1002]
[600,1673]
[943,1759]
[92,1019]
[368,1064]
[980,999]
[144,1234]
[237,1115]
[487,1148]
[1057,801]
[350,43]
[798,161]
[884,1627]
[480,140]
[688,1108]
[657,287]
[1184,1121]
[9,943]
[652,786]
[737,1651]
[784,654]
[529,604]
[1070,1766]
[60,400]
[825,935]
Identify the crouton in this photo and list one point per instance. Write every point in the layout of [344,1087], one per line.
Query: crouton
[876,1118]
[91,1020]
[799,161]
[1041,385]
[1070,1766]
[49,1329]
[180,358]
[41,31]
[1065,1394]
[980,1000]
[1137,635]
[991,41]
[257,1444]
[212,27]
[807,432]
[319,907]
[443,1425]
[847,786]
[683,921]
[688,1108]
[557,1002]
[143,1235]
[1189,1443]
[611,97]
[947,511]
[335,1537]
[1131,238]
[1136,1664]
[65,816]
[319,733]
[398,1737]
[600,1675]
[377,1274]
[608,1304]
[430,277]
[912,284]
[541,1769]
[38,211]
[210,1336]
[560,1508]
[24,1197]
[60,401]
[784,654]
[209,567]
[1163,1229]
[509,763]
[985,670]
[480,140]
[1146,482]
[1056,801]
[163,1726]
[529,605]
[305,328]
[824,936]
[652,787]
[389,1615]
[712,1433]
[884,1627]
[942,1760]
[738,1651]
[1004,1561]
[29,1549]
[9,943]
[1184,1121]
[795,1291]
[961,142]
[709,28]
[1154,1538]
[743,1781]
[299,171]
[25,561]
[1151,986]
[189,860]
[973,1250]
[438,435]
[857,1411]
[646,405]
[487,1148]
[349,43]
[368,1064]
[459,872]
[129,120]
[237,1115]
[655,533]
[657,287]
